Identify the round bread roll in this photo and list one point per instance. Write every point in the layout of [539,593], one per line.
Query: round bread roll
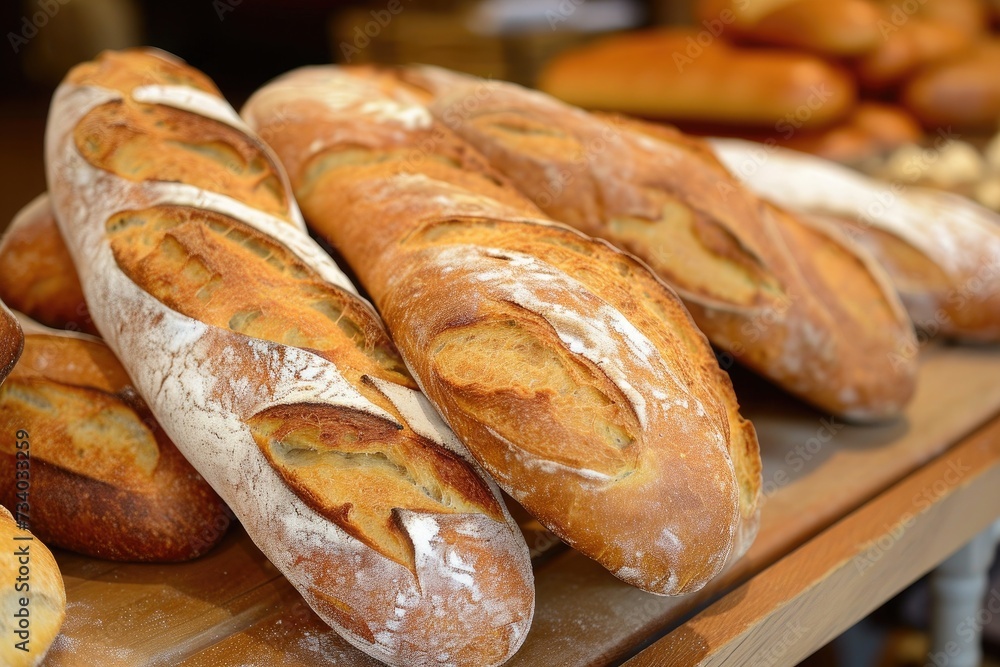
[32,599]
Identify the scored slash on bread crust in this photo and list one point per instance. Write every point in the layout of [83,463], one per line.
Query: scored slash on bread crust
[941,251]
[763,285]
[168,269]
[574,376]
[106,481]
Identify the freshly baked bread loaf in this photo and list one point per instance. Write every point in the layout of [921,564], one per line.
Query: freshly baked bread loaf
[272,377]
[39,277]
[33,601]
[780,295]
[11,341]
[106,481]
[573,375]
[842,28]
[963,92]
[667,73]
[942,251]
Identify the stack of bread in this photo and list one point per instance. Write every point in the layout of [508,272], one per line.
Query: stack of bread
[844,80]
[34,597]
[545,285]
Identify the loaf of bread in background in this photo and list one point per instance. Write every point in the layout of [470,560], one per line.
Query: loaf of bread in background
[872,129]
[781,296]
[869,133]
[942,251]
[667,73]
[573,375]
[42,588]
[39,277]
[841,28]
[105,479]
[274,379]
[11,341]
[962,93]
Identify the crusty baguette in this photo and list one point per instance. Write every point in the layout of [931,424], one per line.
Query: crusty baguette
[106,481]
[39,278]
[942,251]
[574,376]
[11,341]
[841,28]
[659,74]
[777,294]
[272,377]
[33,600]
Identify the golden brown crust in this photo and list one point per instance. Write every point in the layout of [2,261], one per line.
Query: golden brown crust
[45,595]
[271,375]
[106,481]
[39,277]
[523,333]
[963,304]
[11,341]
[651,74]
[744,269]
[843,28]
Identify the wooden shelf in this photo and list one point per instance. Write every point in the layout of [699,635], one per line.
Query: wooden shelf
[835,493]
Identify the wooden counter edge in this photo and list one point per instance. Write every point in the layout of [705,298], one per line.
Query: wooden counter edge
[791,609]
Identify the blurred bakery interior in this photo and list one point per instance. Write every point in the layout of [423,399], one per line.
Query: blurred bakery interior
[904,90]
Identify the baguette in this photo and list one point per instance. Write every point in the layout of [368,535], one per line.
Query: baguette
[842,28]
[781,296]
[669,74]
[11,341]
[40,278]
[105,480]
[40,595]
[574,376]
[274,379]
[942,251]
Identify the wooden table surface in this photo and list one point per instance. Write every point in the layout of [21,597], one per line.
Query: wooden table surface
[850,516]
